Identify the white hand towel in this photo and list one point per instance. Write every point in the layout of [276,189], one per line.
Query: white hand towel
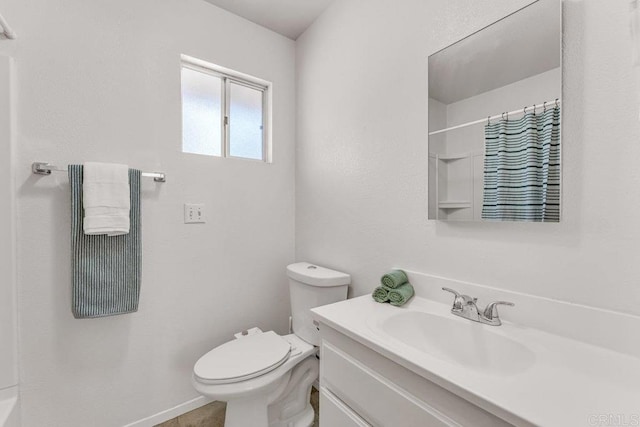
[106,199]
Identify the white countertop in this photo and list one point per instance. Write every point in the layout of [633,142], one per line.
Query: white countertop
[568,383]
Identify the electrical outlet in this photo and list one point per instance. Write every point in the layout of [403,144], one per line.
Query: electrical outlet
[194,213]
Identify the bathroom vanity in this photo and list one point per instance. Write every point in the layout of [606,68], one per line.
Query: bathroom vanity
[419,365]
[361,387]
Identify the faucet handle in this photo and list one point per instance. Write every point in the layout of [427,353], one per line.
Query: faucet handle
[457,301]
[491,312]
[453,291]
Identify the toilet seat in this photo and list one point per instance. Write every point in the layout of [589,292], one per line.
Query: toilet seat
[242,359]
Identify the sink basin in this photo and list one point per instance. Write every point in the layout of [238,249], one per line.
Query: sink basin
[467,343]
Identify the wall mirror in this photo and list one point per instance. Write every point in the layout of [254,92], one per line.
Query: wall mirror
[494,120]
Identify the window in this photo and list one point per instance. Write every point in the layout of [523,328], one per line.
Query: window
[224,113]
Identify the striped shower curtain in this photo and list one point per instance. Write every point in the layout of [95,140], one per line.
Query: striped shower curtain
[522,169]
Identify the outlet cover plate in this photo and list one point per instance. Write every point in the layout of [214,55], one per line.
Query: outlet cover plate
[194,213]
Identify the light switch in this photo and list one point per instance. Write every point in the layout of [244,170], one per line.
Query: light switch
[194,213]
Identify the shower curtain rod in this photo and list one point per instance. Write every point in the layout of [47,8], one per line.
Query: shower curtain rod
[546,104]
[6,30]
[44,168]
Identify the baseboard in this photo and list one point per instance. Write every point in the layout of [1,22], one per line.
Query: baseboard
[171,413]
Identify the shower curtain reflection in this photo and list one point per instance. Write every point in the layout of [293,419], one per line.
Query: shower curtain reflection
[522,168]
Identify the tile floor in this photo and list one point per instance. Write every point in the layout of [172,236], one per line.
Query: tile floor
[212,415]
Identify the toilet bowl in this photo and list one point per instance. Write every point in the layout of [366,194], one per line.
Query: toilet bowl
[266,378]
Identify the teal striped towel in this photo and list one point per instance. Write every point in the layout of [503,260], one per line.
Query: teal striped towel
[106,270]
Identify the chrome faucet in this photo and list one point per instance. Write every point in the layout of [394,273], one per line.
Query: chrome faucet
[465,306]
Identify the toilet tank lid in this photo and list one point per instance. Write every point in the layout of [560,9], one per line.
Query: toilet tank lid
[315,275]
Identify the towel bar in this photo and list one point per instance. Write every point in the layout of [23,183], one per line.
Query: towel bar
[44,168]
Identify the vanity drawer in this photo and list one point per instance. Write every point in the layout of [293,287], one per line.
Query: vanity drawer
[375,398]
[336,414]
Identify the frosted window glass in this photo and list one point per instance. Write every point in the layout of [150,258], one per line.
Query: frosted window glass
[201,113]
[245,127]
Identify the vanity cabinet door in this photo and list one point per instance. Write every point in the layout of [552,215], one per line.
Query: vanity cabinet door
[336,414]
[385,394]
[376,399]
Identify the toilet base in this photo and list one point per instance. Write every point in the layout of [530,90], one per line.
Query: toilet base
[247,412]
[293,407]
[287,405]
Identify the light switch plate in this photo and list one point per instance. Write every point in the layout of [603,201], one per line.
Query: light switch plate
[194,213]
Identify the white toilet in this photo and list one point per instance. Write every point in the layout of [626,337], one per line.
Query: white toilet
[266,378]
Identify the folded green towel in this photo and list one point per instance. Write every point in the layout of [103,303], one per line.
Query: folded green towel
[394,278]
[401,294]
[381,294]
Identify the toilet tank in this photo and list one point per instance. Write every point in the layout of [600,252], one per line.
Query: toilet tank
[312,286]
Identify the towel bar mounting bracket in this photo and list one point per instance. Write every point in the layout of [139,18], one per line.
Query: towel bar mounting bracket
[41,168]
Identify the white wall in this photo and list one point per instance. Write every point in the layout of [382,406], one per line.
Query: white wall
[100,80]
[8,362]
[362,154]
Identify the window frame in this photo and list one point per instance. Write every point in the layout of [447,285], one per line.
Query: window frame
[228,77]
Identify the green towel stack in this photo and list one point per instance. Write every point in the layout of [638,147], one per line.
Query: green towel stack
[394,278]
[401,294]
[381,294]
[395,288]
